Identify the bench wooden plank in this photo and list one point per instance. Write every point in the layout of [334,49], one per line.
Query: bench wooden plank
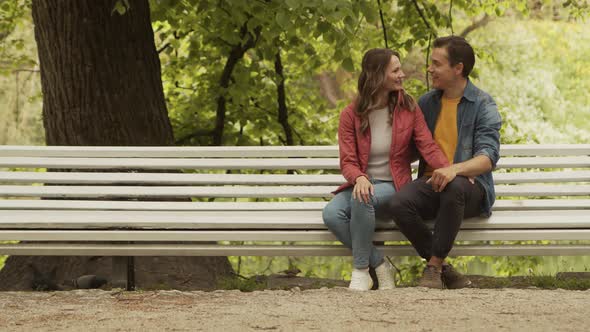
[18,204]
[248,179]
[251,151]
[542,177]
[247,191]
[303,220]
[171,179]
[166,191]
[180,163]
[277,235]
[170,151]
[36,204]
[541,204]
[544,162]
[272,250]
[542,190]
[545,150]
[244,163]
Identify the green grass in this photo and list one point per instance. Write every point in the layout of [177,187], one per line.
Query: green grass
[552,282]
[242,284]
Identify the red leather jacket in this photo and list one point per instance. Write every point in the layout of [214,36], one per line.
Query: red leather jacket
[355,146]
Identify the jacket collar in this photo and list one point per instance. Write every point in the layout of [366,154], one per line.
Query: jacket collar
[470,92]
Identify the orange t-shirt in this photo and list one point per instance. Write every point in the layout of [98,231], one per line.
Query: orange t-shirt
[445,131]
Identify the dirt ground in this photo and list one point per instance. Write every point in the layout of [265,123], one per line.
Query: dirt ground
[336,309]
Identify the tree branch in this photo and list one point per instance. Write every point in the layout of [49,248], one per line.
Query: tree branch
[476,25]
[281,100]
[383,24]
[26,70]
[184,88]
[427,56]
[451,17]
[415,2]
[161,49]
[301,140]
[176,36]
[235,55]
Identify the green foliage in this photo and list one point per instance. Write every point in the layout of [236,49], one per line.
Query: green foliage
[578,9]
[242,284]
[545,66]
[20,86]
[552,282]
[318,267]
[12,47]
[121,7]
[2,261]
[200,48]
[219,60]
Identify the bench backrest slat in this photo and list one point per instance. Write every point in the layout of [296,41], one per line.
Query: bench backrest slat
[239,163]
[248,179]
[251,151]
[248,191]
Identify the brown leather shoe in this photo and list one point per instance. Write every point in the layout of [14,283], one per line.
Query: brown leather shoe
[453,279]
[431,278]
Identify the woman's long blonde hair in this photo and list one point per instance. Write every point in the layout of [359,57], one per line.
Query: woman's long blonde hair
[375,62]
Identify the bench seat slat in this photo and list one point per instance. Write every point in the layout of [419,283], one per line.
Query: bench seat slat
[251,151]
[272,250]
[248,179]
[303,220]
[244,163]
[37,204]
[277,235]
[247,191]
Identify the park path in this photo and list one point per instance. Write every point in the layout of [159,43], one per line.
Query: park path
[402,309]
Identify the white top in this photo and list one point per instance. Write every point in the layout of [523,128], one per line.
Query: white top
[378,167]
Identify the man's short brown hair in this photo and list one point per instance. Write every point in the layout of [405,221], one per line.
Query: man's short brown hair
[459,51]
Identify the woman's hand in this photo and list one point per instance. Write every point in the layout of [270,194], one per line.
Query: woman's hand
[362,189]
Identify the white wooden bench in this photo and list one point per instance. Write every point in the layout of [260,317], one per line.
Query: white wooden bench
[543,194]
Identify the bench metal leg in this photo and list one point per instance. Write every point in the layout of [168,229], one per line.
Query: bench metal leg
[130,273]
[123,273]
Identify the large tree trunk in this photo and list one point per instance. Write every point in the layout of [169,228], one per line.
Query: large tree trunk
[100,76]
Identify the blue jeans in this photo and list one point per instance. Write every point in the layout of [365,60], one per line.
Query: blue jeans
[353,222]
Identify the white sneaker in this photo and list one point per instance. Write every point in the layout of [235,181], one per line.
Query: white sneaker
[360,280]
[385,276]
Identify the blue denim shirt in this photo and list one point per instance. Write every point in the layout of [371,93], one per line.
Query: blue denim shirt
[478,129]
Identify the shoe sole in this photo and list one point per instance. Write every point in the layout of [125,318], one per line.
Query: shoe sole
[360,290]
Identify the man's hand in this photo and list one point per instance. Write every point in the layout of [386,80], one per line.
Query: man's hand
[362,188]
[441,177]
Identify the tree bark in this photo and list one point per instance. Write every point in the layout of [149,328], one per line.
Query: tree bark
[283,111]
[101,83]
[100,74]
